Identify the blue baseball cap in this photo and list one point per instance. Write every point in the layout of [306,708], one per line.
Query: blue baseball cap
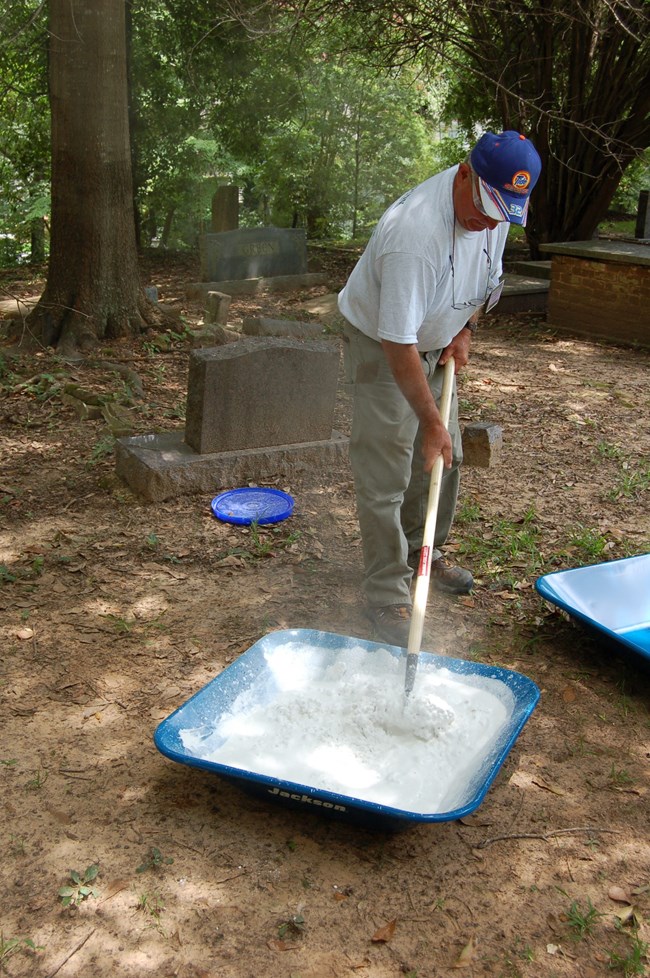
[508,167]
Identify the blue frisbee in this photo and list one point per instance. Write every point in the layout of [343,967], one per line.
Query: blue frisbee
[252,505]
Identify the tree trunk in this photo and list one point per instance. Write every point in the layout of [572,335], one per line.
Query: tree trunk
[167,227]
[93,291]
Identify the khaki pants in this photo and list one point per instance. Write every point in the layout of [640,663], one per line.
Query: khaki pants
[391,488]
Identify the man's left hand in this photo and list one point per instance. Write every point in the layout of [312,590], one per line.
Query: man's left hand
[458,349]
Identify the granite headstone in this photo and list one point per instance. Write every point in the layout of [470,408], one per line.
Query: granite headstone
[261,392]
[225,209]
[253,253]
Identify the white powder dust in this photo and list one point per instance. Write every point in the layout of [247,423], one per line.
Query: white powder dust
[344,724]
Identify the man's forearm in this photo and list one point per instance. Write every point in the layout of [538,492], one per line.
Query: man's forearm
[406,365]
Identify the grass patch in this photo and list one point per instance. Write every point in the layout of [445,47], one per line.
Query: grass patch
[631,483]
[508,550]
[582,921]
[632,963]
[588,544]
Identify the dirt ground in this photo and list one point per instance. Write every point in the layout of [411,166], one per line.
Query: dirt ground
[113,611]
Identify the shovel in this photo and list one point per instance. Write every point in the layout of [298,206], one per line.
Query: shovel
[424,568]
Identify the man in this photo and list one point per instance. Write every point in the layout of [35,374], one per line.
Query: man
[413,300]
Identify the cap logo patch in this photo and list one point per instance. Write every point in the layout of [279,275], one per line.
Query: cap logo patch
[521,180]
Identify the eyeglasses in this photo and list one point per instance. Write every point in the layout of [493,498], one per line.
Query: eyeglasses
[491,296]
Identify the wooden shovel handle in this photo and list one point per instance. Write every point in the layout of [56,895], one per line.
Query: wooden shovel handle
[424,569]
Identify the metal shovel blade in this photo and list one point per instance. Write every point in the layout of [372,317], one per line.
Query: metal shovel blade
[411,669]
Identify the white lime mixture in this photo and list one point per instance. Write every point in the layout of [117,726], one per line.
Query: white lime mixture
[346,726]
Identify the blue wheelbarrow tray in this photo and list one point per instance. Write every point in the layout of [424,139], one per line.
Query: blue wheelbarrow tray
[253,679]
[611,598]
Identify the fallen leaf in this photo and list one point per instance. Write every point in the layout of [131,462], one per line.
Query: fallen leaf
[641,889]
[625,914]
[92,711]
[115,887]
[232,561]
[385,933]
[277,945]
[546,786]
[61,817]
[467,956]
[619,894]
[24,633]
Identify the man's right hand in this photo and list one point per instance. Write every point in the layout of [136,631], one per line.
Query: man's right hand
[435,441]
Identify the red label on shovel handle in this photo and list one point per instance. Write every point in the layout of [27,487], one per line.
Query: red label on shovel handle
[424,568]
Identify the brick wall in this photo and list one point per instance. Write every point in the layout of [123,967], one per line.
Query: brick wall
[601,299]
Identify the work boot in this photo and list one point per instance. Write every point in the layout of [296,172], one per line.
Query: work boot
[444,576]
[392,623]
[449,579]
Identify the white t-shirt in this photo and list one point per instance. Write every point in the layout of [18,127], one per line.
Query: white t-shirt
[402,288]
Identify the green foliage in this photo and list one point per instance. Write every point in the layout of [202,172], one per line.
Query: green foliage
[589,543]
[508,549]
[581,920]
[293,927]
[24,129]
[568,76]
[357,144]
[6,576]
[181,63]
[17,846]
[80,886]
[12,945]
[468,512]
[635,178]
[121,625]
[632,482]
[37,780]
[101,449]
[322,128]
[619,776]
[313,139]
[151,904]
[265,541]
[632,963]
[154,860]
